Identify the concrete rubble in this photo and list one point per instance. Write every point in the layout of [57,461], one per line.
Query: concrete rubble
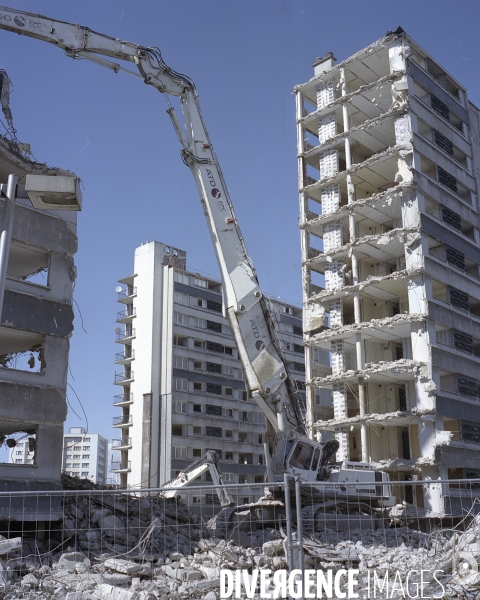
[124,548]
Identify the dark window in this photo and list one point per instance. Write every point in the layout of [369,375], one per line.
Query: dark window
[214,410]
[214,347]
[463,341]
[212,499]
[302,455]
[405,444]
[228,350]
[214,367]
[216,306]
[402,399]
[443,142]
[470,432]
[299,367]
[454,257]
[458,298]
[213,388]
[446,179]
[177,430]
[298,330]
[213,326]
[300,385]
[451,218]
[467,386]
[197,408]
[213,431]
[297,348]
[440,107]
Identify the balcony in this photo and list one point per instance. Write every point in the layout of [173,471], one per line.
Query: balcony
[125,443]
[121,466]
[124,421]
[124,337]
[123,400]
[121,358]
[127,315]
[126,295]
[124,378]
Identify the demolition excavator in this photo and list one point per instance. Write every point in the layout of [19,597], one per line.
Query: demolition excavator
[289,449]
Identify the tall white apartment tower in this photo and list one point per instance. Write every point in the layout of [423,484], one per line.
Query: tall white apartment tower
[181,380]
[85,454]
[388,148]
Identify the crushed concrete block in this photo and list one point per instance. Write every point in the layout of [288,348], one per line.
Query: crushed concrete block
[115,579]
[74,596]
[69,560]
[99,513]
[110,592]
[10,545]
[175,556]
[209,572]
[273,548]
[193,575]
[29,581]
[210,596]
[120,565]
[76,512]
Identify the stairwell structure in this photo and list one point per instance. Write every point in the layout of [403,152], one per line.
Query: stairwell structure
[388,144]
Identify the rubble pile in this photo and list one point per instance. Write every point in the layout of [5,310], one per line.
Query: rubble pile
[127,548]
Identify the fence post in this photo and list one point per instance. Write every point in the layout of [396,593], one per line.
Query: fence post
[301,558]
[288,521]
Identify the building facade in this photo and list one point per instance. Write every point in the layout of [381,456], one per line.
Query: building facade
[388,147]
[181,380]
[36,325]
[85,454]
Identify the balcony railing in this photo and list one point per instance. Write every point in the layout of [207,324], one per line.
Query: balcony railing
[121,443]
[129,291]
[123,420]
[123,376]
[123,398]
[124,314]
[121,335]
[122,356]
[121,465]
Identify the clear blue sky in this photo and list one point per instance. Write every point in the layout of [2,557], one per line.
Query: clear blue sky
[112,131]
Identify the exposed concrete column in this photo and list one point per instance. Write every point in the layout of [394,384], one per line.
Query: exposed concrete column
[355,273]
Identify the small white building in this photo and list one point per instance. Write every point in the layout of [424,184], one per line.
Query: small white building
[85,454]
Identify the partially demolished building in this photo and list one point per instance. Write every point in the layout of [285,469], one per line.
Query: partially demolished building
[36,324]
[387,146]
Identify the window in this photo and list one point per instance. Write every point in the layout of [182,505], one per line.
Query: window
[200,302]
[244,396]
[214,367]
[197,430]
[213,431]
[197,386]
[200,323]
[197,408]
[181,384]
[76,465]
[76,456]
[229,433]
[85,465]
[181,278]
[287,310]
[228,477]
[199,344]
[76,448]
[215,306]
[260,459]
[84,473]
[245,416]
[226,329]
[19,452]
[242,478]
[180,362]
[242,437]
[180,298]
[177,430]
[88,439]
[213,388]
[228,391]
[180,319]
[18,460]
[214,410]
[201,282]
[228,455]
[179,407]
[230,371]
[198,499]
[179,452]
[228,412]
[197,364]
[86,456]
[298,349]
[302,456]
[297,330]
[260,440]
[180,340]
[214,326]
[214,347]
[197,452]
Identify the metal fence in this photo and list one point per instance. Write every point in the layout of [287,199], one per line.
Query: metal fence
[139,542]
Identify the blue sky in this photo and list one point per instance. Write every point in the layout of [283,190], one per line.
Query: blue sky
[112,131]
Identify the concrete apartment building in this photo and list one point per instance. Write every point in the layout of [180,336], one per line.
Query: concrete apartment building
[388,147]
[36,324]
[181,381]
[85,454]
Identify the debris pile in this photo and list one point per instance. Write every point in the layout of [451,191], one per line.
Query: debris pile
[139,548]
